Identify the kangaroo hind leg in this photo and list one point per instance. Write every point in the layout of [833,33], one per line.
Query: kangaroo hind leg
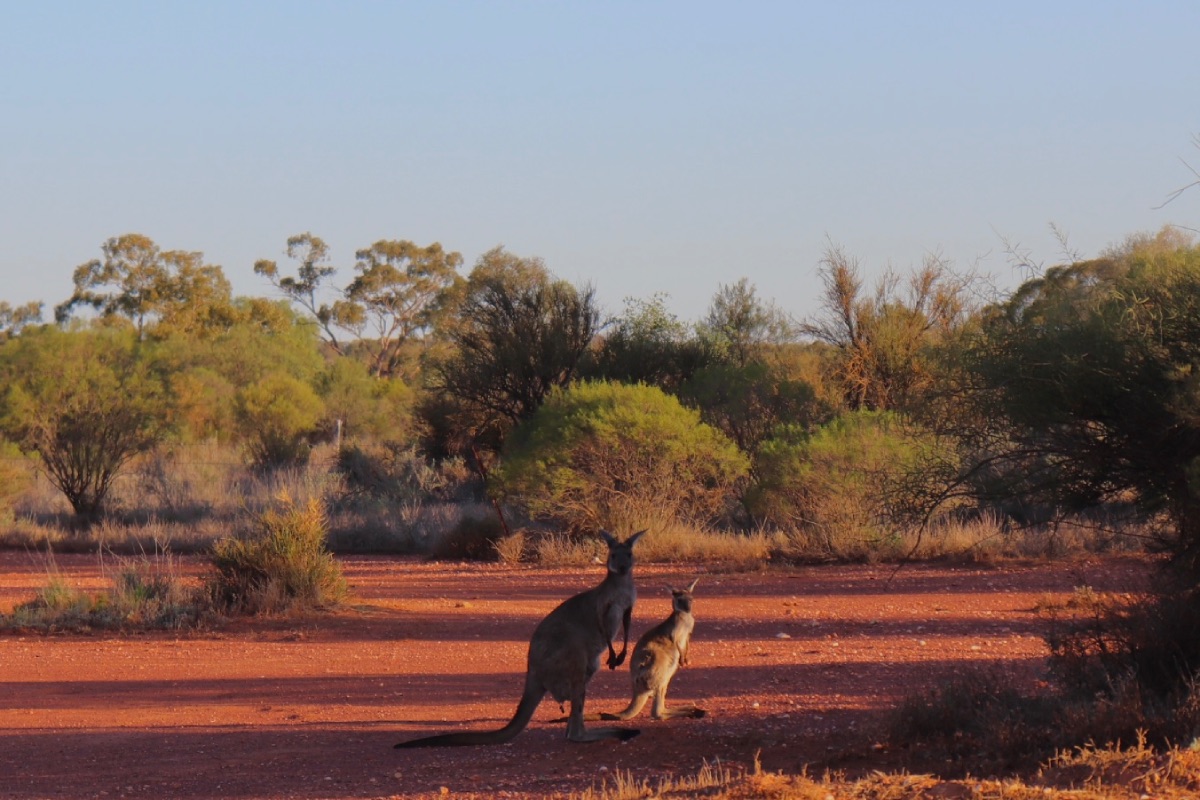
[578,732]
[660,711]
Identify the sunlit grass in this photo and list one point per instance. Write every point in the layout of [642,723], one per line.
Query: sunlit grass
[1087,773]
[144,592]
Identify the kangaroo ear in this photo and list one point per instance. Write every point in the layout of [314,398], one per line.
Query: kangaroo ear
[693,586]
[608,538]
[635,537]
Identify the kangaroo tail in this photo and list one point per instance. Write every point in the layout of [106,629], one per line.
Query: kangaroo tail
[530,700]
[632,710]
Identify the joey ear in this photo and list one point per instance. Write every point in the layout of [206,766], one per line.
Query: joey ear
[693,586]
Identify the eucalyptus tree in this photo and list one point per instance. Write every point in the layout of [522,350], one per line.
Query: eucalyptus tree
[306,288]
[399,292]
[13,319]
[138,281]
[395,297]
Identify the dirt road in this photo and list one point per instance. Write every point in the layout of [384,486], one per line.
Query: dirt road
[799,666]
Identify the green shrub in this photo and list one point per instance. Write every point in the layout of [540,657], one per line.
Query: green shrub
[15,474]
[87,402]
[149,593]
[277,416]
[59,596]
[835,490]
[282,565]
[365,405]
[610,455]
[747,402]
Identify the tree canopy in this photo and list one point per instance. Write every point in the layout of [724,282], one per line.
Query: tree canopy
[517,334]
[398,292]
[137,281]
[86,403]
[1077,391]
[1084,388]
[13,319]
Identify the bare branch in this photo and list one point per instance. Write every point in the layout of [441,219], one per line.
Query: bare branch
[1020,257]
[1069,254]
[1175,194]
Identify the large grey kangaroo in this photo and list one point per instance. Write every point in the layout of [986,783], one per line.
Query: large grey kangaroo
[564,653]
[657,655]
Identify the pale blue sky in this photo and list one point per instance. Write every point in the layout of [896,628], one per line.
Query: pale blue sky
[640,146]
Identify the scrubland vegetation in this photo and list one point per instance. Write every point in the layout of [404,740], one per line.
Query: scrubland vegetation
[501,414]
[1088,773]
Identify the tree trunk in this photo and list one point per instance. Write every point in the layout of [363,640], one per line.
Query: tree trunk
[1186,511]
[475,456]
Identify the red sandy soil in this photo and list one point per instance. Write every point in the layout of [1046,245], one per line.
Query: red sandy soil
[801,667]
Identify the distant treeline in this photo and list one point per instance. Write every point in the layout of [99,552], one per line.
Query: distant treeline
[918,396]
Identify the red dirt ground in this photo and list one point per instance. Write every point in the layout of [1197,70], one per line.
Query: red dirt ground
[801,666]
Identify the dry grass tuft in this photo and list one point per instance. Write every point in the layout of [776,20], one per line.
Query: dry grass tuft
[1088,773]
[511,549]
[1142,770]
[667,544]
[282,565]
[147,592]
[707,782]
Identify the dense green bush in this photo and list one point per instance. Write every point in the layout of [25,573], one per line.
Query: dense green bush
[836,489]
[86,402]
[281,565]
[516,333]
[610,455]
[365,405]
[205,374]
[277,417]
[15,474]
[648,344]
[748,402]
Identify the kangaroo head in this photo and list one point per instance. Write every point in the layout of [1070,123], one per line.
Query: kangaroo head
[620,554]
[681,599]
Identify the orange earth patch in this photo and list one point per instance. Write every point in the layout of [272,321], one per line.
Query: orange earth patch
[797,668]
